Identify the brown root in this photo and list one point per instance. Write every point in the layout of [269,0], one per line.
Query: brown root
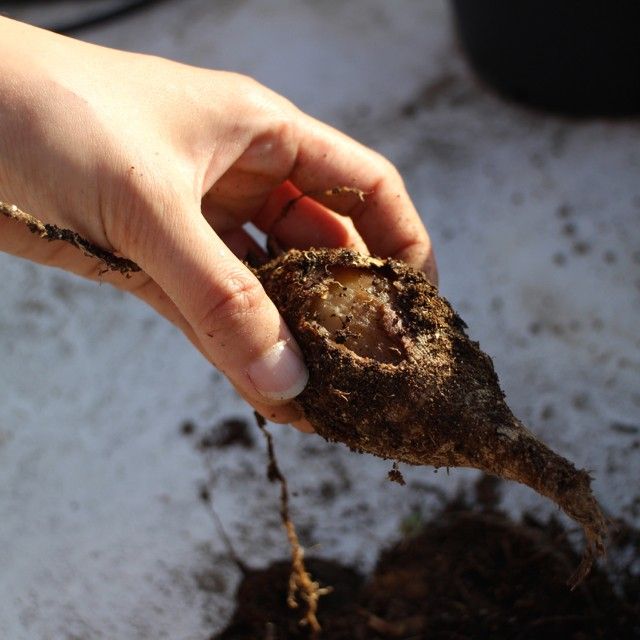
[334,191]
[52,232]
[525,459]
[300,581]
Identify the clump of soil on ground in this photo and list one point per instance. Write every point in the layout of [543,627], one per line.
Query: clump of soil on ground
[468,574]
[229,432]
[232,431]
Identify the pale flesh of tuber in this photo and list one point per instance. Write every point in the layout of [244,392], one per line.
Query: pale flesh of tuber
[357,310]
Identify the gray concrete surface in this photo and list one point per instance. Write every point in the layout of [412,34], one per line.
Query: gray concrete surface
[536,222]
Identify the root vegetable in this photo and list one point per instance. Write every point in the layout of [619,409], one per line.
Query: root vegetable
[393,373]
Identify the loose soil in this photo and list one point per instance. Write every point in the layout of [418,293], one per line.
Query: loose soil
[468,574]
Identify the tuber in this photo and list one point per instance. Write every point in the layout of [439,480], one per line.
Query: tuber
[393,373]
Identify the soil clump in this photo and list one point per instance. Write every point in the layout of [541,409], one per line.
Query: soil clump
[468,574]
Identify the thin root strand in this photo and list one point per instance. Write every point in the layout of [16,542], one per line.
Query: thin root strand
[334,191]
[300,582]
[52,232]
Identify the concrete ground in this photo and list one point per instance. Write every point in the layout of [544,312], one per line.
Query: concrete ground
[536,223]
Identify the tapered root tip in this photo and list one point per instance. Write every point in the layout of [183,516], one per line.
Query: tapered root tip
[572,493]
[527,460]
[580,504]
[584,568]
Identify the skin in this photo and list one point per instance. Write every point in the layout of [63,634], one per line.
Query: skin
[164,163]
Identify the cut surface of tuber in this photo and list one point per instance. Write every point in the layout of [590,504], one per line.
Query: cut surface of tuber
[357,309]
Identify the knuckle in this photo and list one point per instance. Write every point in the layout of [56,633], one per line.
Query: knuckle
[245,85]
[237,302]
[284,128]
[284,141]
[259,98]
[250,93]
[387,169]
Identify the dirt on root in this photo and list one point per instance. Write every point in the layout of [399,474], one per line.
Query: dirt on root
[467,575]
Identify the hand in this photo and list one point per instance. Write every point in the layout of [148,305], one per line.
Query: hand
[163,164]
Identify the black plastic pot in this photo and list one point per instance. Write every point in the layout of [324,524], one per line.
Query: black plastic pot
[570,56]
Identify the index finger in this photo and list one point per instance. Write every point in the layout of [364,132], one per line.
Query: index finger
[386,218]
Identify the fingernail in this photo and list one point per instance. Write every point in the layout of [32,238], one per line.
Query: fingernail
[280,374]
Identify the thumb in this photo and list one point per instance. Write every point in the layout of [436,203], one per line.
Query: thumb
[240,329]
